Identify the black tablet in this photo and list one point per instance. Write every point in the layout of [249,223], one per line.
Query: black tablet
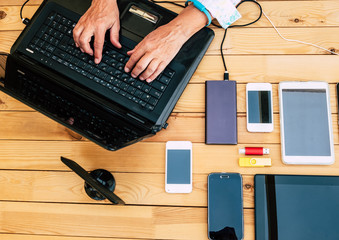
[296,207]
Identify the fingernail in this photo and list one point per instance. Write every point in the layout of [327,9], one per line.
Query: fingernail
[142,79]
[148,80]
[133,75]
[96,60]
[76,45]
[126,69]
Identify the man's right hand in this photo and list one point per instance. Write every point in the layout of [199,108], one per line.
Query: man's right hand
[101,16]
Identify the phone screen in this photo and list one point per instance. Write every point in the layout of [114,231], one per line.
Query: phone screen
[178,166]
[259,107]
[225,211]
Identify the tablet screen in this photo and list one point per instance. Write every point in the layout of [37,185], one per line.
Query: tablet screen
[296,207]
[306,123]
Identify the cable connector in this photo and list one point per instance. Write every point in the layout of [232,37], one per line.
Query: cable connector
[226,76]
[25,21]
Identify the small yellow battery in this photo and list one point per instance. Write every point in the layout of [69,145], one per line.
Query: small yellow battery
[255,162]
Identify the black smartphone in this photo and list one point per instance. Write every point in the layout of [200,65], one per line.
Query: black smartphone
[225,206]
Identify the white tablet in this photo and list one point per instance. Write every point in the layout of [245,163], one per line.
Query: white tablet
[306,123]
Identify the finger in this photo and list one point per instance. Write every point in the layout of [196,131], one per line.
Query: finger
[141,65]
[84,41]
[99,39]
[76,33]
[157,72]
[151,68]
[133,60]
[129,53]
[115,34]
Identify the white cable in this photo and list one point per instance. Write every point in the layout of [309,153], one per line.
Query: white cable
[292,40]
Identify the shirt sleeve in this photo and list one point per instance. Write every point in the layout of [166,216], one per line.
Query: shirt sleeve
[223,10]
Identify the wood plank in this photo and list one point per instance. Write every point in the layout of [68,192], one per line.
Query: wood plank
[270,68]
[35,126]
[45,237]
[7,39]
[293,14]
[133,188]
[110,221]
[192,100]
[267,41]
[12,20]
[45,155]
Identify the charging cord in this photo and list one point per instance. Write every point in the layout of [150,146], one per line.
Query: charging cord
[226,75]
[297,41]
[24,20]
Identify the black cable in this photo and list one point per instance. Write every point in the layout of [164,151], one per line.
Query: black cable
[232,26]
[218,26]
[24,20]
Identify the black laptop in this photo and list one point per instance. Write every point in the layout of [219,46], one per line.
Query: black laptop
[101,102]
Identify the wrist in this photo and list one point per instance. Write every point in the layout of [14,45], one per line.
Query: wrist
[197,4]
[103,2]
[189,21]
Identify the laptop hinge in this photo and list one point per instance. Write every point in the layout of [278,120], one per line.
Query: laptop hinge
[136,118]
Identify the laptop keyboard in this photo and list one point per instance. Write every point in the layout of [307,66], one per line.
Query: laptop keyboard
[54,41]
[62,105]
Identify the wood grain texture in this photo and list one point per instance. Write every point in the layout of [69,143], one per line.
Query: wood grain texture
[182,126]
[133,188]
[110,221]
[41,199]
[4,236]
[142,158]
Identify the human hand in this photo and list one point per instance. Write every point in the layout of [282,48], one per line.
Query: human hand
[101,16]
[151,56]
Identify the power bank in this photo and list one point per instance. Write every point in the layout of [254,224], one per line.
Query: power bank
[221,112]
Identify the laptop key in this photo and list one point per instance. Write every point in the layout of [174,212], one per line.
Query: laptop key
[155,93]
[165,80]
[124,86]
[159,86]
[56,44]
[145,97]
[146,88]
[142,103]
[131,90]
[149,107]
[153,101]
[122,93]
[169,73]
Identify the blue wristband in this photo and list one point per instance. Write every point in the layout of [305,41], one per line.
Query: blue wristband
[202,8]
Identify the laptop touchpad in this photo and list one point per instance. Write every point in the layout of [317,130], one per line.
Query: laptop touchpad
[136,22]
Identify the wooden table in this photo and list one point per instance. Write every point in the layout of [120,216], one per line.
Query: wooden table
[41,199]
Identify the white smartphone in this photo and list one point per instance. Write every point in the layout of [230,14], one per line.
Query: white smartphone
[259,106]
[306,123]
[178,175]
